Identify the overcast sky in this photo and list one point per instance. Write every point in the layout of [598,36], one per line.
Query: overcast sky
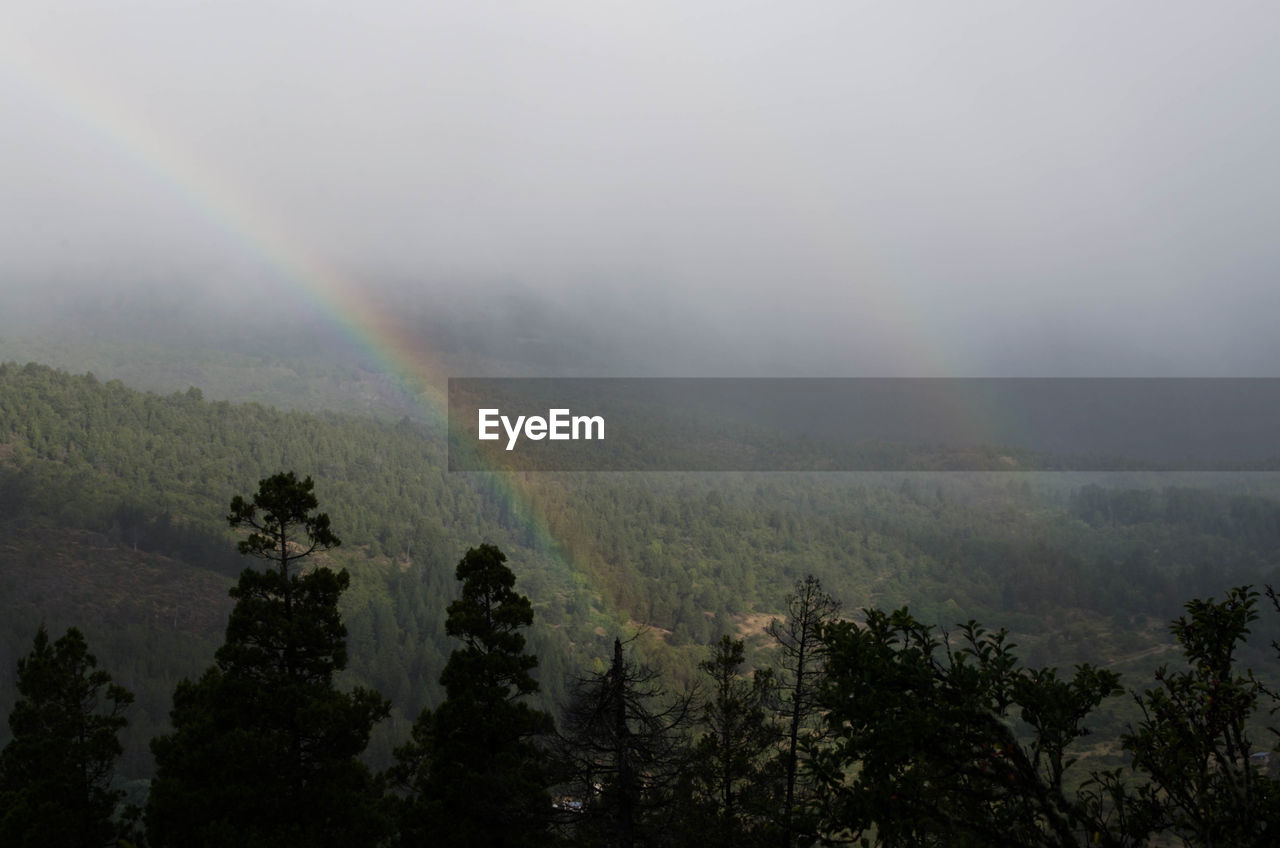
[1070,188]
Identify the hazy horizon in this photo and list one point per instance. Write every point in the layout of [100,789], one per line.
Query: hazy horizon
[718,189]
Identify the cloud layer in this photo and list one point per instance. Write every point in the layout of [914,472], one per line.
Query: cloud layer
[834,188]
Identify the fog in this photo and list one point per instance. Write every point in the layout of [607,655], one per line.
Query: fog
[1066,189]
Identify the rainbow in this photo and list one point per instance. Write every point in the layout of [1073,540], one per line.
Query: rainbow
[139,139]
[393,347]
[135,137]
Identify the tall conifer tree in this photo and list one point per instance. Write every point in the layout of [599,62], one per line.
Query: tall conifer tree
[474,770]
[264,746]
[55,774]
[730,765]
[803,663]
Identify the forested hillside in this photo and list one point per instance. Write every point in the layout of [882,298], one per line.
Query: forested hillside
[113,504]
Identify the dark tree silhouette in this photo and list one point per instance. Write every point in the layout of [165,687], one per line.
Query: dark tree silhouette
[922,749]
[473,772]
[55,774]
[1193,744]
[624,755]
[730,757]
[264,747]
[803,658]
[281,514]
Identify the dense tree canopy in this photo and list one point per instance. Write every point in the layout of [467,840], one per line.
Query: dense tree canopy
[135,482]
[923,751]
[120,487]
[1207,779]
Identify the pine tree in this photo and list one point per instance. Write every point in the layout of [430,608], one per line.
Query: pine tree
[264,746]
[809,609]
[730,755]
[55,774]
[474,772]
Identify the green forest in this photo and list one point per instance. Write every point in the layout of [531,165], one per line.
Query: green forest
[609,659]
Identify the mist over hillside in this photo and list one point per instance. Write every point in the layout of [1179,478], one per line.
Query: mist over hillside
[657,191]
[240,239]
[118,329]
